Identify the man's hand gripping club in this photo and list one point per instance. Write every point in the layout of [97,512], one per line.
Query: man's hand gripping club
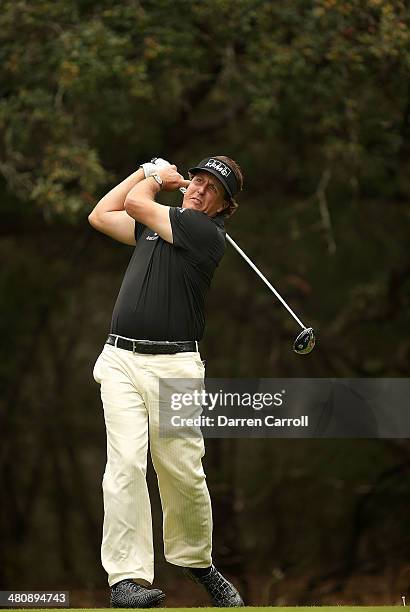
[140,202]
[155,166]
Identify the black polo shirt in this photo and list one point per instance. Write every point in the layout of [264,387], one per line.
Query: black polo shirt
[163,291]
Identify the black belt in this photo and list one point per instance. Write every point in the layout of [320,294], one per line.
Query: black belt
[152,347]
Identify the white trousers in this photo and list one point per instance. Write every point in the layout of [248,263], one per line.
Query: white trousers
[129,391]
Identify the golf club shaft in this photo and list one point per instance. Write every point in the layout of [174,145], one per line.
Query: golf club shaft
[265,280]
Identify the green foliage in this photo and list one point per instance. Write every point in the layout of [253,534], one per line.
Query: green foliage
[313,100]
[318,84]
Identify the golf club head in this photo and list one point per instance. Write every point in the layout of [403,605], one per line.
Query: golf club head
[305,341]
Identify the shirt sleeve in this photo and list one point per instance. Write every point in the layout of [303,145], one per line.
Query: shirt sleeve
[192,230]
[139,228]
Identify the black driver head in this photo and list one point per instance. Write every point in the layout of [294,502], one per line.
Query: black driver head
[305,341]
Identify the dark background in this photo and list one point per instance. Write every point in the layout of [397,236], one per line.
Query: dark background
[313,100]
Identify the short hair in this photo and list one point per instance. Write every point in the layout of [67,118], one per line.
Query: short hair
[232,203]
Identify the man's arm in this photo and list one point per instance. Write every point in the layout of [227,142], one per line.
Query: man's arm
[109,215]
[140,202]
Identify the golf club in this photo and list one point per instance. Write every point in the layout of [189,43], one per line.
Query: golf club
[305,341]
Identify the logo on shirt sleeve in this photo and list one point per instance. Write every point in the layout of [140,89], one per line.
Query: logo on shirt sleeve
[154,237]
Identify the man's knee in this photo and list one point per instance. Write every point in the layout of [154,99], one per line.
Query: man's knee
[187,476]
[123,472]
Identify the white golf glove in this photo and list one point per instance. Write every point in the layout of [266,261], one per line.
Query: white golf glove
[163,163]
[152,167]
[159,162]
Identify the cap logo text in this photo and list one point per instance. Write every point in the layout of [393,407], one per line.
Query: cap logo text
[218,166]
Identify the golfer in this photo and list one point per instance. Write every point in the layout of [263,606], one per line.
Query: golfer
[157,322]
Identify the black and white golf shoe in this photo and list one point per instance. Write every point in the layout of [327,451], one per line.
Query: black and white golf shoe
[129,594]
[222,592]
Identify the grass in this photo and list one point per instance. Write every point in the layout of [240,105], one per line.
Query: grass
[264,609]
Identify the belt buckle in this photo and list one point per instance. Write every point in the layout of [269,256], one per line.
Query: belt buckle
[134,347]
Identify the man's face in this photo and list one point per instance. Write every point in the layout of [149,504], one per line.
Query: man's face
[205,193]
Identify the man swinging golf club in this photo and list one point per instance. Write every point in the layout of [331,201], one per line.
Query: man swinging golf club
[157,322]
